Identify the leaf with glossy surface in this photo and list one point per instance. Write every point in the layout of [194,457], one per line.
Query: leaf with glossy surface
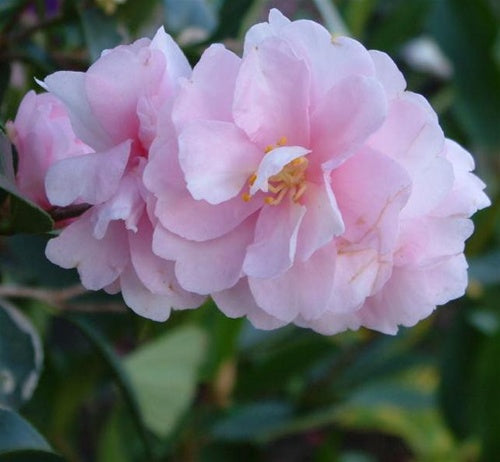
[467,30]
[100,31]
[21,357]
[189,13]
[164,375]
[20,442]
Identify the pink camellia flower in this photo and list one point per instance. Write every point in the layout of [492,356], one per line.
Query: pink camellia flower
[113,108]
[310,187]
[42,135]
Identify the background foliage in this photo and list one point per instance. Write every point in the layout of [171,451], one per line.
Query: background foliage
[83,379]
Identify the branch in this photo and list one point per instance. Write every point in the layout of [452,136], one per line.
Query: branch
[72,211]
[58,298]
[55,297]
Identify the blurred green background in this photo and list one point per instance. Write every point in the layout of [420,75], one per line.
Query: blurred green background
[115,387]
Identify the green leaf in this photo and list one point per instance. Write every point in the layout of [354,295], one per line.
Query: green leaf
[189,13]
[253,422]
[458,376]
[398,21]
[467,32]
[488,399]
[21,357]
[113,443]
[4,78]
[100,31]
[20,442]
[22,214]
[231,16]
[135,14]
[122,380]
[164,375]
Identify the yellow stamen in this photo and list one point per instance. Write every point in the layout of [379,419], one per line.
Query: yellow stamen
[269,200]
[299,192]
[298,161]
[252,179]
[269,148]
[246,197]
[282,141]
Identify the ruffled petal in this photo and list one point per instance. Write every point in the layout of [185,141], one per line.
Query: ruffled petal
[467,195]
[238,301]
[158,274]
[304,289]
[127,205]
[322,220]
[388,74]
[98,261]
[90,178]
[217,159]
[371,190]
[271,98]
[410,133]
[210,266]
[70,88]
[208,94]
[348,114]
[140,73]
[273,250]
[412,294]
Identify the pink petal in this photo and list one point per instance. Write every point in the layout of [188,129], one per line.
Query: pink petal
[429,187]
[157,274]
[127,205]
[413,293]
[371,190]
[198,220]
[322,220]
[467,195]
[329,59]
[141,300]
[177,63]
[259,32]
[99,261]
[140,72]
[90,178]
[210,266]
[428,239]
[359,273]
[208,94]
[272,96]
[238,301]
[410,133]
[348,114]
[304,289]
[69,87]
[273,250]
[217,159]
[388,74]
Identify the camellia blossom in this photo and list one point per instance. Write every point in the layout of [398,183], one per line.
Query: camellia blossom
[113,109]
[308,186]
[42,135]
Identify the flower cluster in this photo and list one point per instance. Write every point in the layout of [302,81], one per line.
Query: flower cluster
[298,184]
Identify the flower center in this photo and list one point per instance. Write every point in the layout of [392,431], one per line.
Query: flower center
[290,180]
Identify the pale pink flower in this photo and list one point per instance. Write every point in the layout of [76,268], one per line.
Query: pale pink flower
[308,174]
[113,109]
[42,135]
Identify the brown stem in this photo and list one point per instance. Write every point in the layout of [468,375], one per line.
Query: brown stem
[59,298]
[52,296]
[72,211]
